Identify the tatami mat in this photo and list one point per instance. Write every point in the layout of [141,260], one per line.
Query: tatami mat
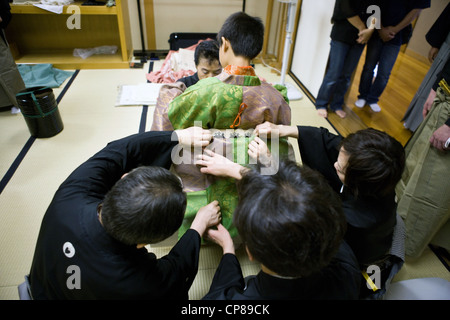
[90,122]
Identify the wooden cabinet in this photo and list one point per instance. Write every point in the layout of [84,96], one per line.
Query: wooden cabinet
[39,36]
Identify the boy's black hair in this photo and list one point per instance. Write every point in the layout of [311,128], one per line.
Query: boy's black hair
[292,222]
[375,164]
[245,33]
[146,206]
[208,49]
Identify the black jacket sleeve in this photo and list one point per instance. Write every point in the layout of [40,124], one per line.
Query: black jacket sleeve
[180,266]
[98,174]
[228,278]
[319,150]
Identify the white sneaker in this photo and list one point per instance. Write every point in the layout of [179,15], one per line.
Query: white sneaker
[360,103]
[375,107]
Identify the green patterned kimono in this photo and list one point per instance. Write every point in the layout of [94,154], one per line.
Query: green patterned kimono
[224,102]
[223,189]
[215,102]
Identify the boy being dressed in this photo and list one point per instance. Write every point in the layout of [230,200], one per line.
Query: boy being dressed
[235,99]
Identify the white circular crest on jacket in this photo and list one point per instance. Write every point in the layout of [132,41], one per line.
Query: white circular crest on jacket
[69,249]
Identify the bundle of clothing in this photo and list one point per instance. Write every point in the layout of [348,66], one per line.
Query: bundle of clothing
[176,65]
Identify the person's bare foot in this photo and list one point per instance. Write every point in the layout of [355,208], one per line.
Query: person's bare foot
[341,113]
[322,113]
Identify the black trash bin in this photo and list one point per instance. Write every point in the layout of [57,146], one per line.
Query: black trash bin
[40,110]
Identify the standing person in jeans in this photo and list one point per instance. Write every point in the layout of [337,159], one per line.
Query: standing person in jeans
[384,46]
[348,36]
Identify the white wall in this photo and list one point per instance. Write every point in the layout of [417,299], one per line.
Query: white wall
[427,17]
[189,16]
[312,43]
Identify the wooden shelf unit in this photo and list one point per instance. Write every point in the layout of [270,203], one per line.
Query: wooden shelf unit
[39,36]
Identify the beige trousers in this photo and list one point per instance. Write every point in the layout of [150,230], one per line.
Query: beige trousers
[424,190]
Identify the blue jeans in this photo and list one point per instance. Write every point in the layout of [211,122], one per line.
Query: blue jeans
[383,54]
[343,61]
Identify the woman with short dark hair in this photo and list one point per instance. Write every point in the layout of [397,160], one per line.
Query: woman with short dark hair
[292,223]
[363,168]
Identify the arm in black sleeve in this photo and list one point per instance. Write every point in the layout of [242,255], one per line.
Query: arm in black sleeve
[98,174]
[179,267]
[319,150]
[344,9]
[228,278]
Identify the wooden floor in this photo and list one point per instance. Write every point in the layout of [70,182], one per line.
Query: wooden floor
[406,77]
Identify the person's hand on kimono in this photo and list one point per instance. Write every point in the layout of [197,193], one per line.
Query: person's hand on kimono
[222,237]
[194,136]
[218,165]
[207,217]
[258,151]
[267,129]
